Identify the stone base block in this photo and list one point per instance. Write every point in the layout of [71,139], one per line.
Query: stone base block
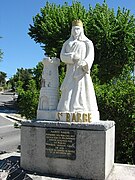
[77,150]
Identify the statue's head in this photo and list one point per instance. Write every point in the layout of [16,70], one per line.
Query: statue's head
[77,29]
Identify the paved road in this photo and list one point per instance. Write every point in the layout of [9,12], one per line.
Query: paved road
[9,136]
[6,102]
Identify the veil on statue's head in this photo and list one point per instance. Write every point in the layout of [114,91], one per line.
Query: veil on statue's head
[78,23]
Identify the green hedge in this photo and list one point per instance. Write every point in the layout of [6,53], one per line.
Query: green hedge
[116,101]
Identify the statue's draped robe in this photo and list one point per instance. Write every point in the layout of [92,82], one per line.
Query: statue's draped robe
[77,88]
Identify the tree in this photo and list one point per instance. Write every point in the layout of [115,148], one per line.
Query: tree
[28,99]
[116,101]
[112,35]
[3,76]
[37,74]
[26,82]
[23,75]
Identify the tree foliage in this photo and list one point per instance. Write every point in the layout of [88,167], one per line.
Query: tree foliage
[116,101]
[53,25]
[26,82]
[114,39]
[37,71]
[3,76]
[28,99]
[23,75]
[113,34]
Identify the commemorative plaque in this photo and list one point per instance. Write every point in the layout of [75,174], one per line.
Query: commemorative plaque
[61,143]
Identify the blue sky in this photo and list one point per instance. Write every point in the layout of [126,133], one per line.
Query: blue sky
[16,15]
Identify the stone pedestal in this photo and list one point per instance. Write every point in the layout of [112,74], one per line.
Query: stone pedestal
[77,150]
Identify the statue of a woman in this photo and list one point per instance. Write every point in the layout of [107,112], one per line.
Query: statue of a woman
[77,89]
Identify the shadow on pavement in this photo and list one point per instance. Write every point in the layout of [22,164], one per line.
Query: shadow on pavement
[10,169]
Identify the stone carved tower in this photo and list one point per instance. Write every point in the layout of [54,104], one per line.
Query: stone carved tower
[48,99]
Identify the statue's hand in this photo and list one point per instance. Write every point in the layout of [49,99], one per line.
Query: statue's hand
[84,66]
[75,58]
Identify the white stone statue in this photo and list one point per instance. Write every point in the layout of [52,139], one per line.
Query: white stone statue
[48,99]
[78,100]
